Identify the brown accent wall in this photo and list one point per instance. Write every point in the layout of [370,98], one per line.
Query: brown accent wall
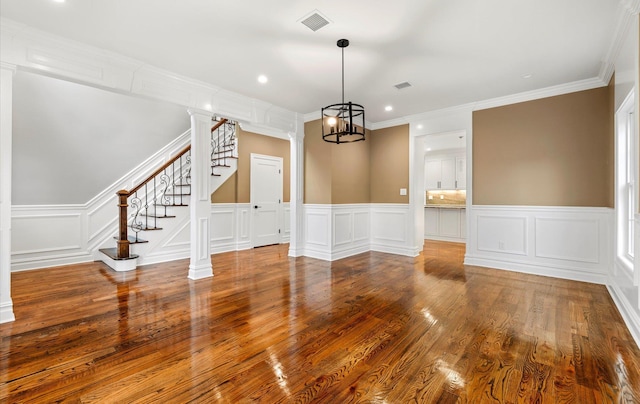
[360,172]
[228,191]
[389,164]
[317,165]
[556,151]
[237,188]
[350,178]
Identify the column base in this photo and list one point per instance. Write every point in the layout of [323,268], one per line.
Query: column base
[200,272]
[6,312]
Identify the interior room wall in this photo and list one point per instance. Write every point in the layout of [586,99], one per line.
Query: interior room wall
[555,151]
[72,141]
[372,171]
[389,164]
[237,188]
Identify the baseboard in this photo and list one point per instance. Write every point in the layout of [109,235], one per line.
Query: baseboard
[631,319]
[26,264]
[533,269]
[448,239]
[406,251]
[6,312]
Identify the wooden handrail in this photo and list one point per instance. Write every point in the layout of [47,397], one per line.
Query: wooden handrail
[123,196]
[173,159]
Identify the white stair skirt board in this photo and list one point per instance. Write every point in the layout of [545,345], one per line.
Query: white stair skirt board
[119,265]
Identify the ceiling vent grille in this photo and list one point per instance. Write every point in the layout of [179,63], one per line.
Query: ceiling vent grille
[404,84]
[314,21]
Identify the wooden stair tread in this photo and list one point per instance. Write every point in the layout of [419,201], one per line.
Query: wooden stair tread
[113,254]
[134,240]
[159,216]
[148,228]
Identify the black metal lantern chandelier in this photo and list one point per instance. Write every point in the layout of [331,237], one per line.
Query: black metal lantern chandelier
[344,122]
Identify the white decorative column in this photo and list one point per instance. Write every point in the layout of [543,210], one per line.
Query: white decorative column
[6,101]
[296,241]
[200,206]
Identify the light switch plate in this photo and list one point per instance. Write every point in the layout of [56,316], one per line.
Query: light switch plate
[403,191]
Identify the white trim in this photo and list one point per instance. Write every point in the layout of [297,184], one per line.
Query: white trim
[44,53]
[629,315]
[574,243]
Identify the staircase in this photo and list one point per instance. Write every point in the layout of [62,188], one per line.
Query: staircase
[158,198]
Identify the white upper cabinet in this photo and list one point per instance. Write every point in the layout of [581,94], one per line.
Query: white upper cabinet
[445,172]
[461,173]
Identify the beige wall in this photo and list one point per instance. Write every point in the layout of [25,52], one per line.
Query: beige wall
[237,188]
[556,151]
[334,174]
[360,172]
[389,164]
[317,165]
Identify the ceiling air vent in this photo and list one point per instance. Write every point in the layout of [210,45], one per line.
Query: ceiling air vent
[314,21]
[404,84]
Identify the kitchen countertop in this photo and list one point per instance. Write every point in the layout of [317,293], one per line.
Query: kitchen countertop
[431,205]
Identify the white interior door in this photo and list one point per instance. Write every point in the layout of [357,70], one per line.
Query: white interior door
[266,199]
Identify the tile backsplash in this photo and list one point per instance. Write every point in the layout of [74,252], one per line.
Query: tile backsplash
[446,197]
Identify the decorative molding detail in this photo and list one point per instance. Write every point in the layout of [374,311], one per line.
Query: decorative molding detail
[627,12]
[44,53]
[563,242]
[515,234]
[582,238]
[338,231]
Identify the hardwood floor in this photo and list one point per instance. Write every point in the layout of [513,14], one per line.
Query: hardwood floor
[373,328]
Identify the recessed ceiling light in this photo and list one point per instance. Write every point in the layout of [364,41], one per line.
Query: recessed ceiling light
[388,108]
[428,148]
[527,76]
[419,126]
[262,79]
[59,1]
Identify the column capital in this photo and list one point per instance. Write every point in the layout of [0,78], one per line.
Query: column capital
[200,113]
[8,66]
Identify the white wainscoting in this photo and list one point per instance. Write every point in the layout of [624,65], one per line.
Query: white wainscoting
[391,229]
[47,236]
[338,231]
[562,242]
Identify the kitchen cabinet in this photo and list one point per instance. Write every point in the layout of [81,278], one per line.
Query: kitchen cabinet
[431,219]
[445,173]
[461,173]
[445,223]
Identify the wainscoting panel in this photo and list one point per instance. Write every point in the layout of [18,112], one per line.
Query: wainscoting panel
[581,239]
[390,229]
[48,235]
[504,235]
[563,242]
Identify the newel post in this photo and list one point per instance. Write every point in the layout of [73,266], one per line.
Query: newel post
[123,238]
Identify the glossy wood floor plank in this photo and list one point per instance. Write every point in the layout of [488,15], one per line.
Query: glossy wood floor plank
[373,328]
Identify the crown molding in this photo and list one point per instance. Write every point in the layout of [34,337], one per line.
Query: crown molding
[42,53]
[627,13]
[581,85]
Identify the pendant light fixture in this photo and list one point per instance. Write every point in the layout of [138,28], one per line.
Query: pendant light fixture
[344,122]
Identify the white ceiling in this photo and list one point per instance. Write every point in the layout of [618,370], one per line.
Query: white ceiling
[453,52]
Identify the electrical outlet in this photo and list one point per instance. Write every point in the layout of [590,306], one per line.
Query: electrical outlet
[403,191]
[501,245]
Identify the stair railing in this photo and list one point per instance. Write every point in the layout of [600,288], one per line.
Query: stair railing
[161,189]
[223,146]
